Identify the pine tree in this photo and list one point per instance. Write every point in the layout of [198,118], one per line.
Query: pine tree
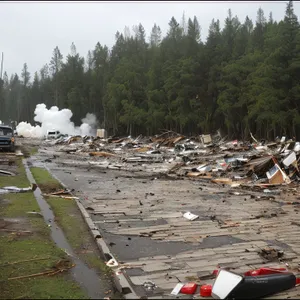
[244,77]
[55,66]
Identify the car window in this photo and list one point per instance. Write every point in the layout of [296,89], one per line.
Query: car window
[6,132]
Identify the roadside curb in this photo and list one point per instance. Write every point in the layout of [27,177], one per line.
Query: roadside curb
[120,279]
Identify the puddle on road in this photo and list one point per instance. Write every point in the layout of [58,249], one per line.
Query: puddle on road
[86,277]
[219,241]
[138,247]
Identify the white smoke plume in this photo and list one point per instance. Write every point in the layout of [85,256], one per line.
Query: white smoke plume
[89,123]
[55,119]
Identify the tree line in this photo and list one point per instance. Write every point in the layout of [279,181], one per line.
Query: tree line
[244,78]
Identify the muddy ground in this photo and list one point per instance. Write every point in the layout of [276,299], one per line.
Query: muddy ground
[139,215]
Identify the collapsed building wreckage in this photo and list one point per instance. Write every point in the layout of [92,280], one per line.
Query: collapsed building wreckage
[233,163]
[267,168]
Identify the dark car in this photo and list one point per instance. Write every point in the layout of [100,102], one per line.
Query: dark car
[7,138]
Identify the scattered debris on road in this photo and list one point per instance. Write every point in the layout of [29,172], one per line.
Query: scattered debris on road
[236,193]
[65,194]
[188,215]
[232,163]
[231,285]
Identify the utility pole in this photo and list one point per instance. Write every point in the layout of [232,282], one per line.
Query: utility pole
[2,65]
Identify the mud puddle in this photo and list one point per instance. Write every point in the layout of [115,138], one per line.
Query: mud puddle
[86,277]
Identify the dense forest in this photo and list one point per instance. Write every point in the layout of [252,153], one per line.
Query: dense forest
[244,78]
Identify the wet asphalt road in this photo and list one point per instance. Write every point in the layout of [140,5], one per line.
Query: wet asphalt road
[125,204]
[86,183]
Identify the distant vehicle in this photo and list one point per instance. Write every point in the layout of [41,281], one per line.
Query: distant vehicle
[53,134]
[7,138]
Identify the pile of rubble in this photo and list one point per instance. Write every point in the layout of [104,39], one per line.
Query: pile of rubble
[257,166]
[231,163]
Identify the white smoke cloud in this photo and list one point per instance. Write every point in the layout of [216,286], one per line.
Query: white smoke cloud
[90,119]
[55,119]
[89,124]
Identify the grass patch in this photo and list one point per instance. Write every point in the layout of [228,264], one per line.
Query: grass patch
[45,181]
[96,262]
[68,216]
[37,244]
[20,180]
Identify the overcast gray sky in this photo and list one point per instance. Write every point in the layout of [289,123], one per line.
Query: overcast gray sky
[31,30]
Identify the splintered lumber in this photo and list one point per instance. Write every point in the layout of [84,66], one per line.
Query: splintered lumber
[102,154]
[143,149]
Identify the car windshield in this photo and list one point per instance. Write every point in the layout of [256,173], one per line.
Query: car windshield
[5,131]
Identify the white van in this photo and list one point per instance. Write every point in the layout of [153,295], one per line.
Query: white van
[52,134]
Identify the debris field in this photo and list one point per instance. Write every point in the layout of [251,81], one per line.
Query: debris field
[173,209]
